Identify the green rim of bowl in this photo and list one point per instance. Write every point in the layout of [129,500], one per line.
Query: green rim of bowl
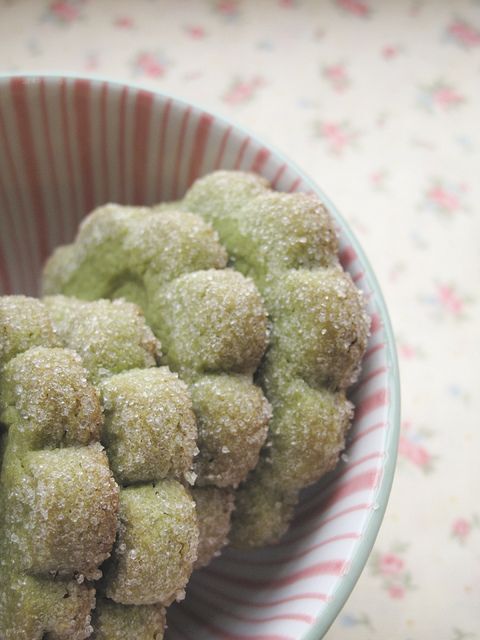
[365,544]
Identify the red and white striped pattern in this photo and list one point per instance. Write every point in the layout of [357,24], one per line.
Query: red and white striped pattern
[67,145]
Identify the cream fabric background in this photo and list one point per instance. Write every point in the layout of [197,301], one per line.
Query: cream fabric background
[380,103]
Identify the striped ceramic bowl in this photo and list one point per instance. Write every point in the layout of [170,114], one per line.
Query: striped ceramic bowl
[69,144]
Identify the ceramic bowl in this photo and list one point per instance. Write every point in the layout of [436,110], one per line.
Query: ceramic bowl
[68,144]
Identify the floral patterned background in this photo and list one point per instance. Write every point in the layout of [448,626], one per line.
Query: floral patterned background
[380,103]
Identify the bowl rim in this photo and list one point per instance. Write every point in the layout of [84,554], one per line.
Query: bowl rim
[365,543]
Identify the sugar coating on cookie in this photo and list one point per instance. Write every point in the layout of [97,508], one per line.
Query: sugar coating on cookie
[37,607]
[149,433]
[263,230]
[210,320]
[24,323]
[214,508]
[152,435]
[319,329]
[156,544]
[109,336]
[46,396]
[240,414]
[58,498]
[113,621]
[53,420]
[63,501]
[123,250]
[219,196]
[266,509]
[307,433]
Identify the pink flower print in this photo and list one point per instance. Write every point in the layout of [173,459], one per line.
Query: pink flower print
[227,8]
[390,564]
[449,299]
[445,200]
[287,4]
[407,351]
[446,301]
[390,51]
[195,31]
[150,64]
[65,11]
[446,96]
[378,179]
[243,90]
[464,34]
[412,447]
[338,136]
[396,591]
[461,529]
[445,197]
[355,7]
[414,452]
[390,567]
[440,94]
[337,77]
[124,22]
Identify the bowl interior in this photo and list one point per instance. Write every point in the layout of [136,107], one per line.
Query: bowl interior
[69,144]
